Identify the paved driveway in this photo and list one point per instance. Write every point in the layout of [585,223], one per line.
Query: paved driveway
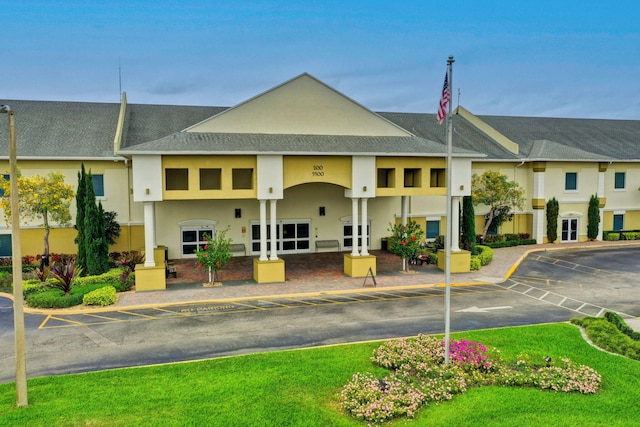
[608,278]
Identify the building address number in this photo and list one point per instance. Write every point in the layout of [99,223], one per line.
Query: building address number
[318,170]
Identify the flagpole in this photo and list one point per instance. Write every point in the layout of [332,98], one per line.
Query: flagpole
[449,234]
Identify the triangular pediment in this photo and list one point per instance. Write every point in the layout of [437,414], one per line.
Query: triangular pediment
[301,106]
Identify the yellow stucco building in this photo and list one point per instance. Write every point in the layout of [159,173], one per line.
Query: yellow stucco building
[303,168]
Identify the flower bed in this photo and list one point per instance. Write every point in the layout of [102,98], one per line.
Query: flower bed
[419,376]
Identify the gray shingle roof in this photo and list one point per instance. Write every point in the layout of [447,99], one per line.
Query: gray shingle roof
[51,129]
[150,122]
[570,139]
[235,143]
[465,136]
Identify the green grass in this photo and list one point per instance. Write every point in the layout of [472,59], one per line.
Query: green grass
[300,388]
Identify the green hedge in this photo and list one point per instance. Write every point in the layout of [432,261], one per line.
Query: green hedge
[103,296]
[55,298]
[111,277]
[617,320]
[26,268]
[608,337]
[485,254]
[509,243]
[475,263]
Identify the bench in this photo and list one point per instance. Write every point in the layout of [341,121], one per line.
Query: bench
[419,259]
[327,244]
[170,268]
[237,248]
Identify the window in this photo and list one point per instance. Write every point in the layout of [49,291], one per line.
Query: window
[386,178]
[618,222]
[412,178]
[98,184]
[6,176]
[438,178]
[242,179]
[433,229]
[177,179]
[571,181]
[210,179]
[619,181]
[5,245]
[194,238]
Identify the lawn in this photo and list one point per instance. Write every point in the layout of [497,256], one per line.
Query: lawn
[300,388]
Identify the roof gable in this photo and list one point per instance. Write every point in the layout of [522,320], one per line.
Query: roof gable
[301,106]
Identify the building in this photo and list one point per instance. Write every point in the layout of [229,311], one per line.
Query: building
[306,167]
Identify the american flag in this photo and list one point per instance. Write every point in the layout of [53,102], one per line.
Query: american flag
[444,101]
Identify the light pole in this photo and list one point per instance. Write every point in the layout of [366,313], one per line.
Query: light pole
[16,262]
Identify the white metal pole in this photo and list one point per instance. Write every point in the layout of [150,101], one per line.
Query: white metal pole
[447,240]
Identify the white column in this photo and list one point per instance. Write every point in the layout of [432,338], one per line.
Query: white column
[455,224]
[404,209]
[149,234]
[365,222]
[263,230]
[354,226]
[274,229]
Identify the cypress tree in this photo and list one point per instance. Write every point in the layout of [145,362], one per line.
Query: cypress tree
[553,209]
[94,235]
[81,260]
[593,218]
[468,224]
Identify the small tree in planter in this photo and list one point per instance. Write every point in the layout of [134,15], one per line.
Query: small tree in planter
[215,254]
[405,241]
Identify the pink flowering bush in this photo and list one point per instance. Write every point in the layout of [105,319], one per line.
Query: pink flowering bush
[419,376]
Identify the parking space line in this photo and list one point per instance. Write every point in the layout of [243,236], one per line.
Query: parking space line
[195,309]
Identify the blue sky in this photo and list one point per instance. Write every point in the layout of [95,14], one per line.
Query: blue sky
[561,58]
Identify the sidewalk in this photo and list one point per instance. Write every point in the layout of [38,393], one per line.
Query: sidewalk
[504,262]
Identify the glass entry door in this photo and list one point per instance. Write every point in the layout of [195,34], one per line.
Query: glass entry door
[569,229]
[292,237]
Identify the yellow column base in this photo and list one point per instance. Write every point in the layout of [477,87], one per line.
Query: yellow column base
[268,271]
[150,278]
[460,261]
[358,266]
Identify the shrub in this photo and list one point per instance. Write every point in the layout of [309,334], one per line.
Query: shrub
[618,322]
[631,235]
[608,337]
[102,297]
[33,287]
[55,298]
[613,236]
[475,263]
[485,254]
[63,275]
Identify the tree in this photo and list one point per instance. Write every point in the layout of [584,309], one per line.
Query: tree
[111,227]
[405,241]
[553,209]
[468,224]
[46,198]
[215,254]
[95,242]
[81,260]
[593,218]
[499,194]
